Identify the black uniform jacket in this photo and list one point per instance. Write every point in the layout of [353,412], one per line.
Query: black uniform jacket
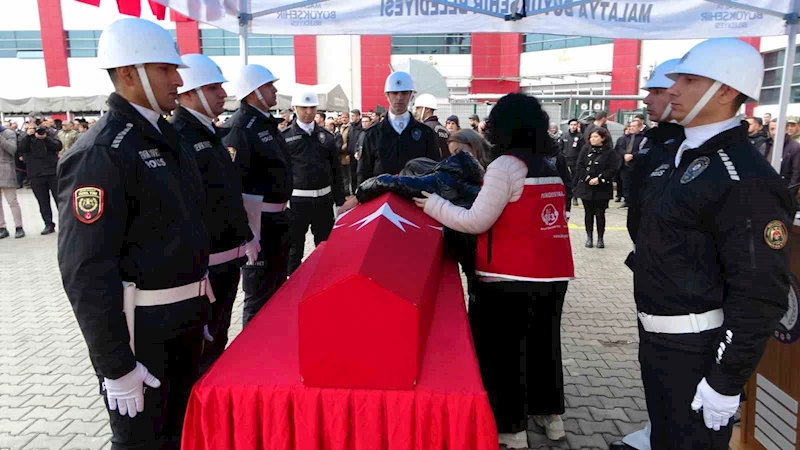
[713,234]
[261,154]
[129,201]
[315,160]
[571,146]
[223,211]
[385,151]
[442,135]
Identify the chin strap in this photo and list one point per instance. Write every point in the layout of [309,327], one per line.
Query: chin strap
[701,104]
[206,106]
[261,99]
[666,113]
[148,91]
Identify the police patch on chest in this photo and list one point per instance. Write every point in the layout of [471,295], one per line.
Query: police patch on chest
[416,134]
[321,137]
[87,204]
[697,167]
[202,145]
[775,234]
[660,170]
[152,158]
[265,136]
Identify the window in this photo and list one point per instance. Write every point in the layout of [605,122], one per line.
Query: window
[20,44]
[773,74]
[82,43]
[538,42]
[432,44]
[224,43]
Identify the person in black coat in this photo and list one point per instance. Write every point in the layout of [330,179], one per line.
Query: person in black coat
[597,166]
[628,153]
[571,145]
[40,151]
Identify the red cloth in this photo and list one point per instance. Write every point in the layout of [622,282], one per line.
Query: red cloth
[159,10]
[253,397]
[90,2]
[130,7]
[175,16]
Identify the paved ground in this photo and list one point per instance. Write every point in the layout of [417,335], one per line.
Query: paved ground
[49,395]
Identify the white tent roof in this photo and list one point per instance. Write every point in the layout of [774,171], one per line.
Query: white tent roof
[52,99]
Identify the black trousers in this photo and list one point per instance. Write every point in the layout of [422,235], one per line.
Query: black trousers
[314,212]
[670,378]
[595,210]
[353,176]
[169,345]
[625,175]
[516,327]
[263,278]
[620,184]
[225,283]
[347,180]
[43,187]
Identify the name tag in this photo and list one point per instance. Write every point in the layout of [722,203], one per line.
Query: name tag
[294,138]
[202,145]
[152,158]
[265,136]
[660,170]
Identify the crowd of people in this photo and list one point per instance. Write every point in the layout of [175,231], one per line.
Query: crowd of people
[161,219]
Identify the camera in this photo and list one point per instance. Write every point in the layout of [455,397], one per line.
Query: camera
[41,131]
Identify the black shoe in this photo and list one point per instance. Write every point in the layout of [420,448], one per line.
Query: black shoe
[20,233]
[600,243]
[624,205]
[589,243]
[574,202]
[619,445]
[3,232]
[49,229]
[618,199]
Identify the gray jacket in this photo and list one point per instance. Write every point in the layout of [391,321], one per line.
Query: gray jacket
[8,148]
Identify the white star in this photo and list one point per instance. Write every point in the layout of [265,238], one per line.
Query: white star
[386,211]
[335,226]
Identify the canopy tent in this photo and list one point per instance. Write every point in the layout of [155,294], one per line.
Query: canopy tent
[331,97]
[427,79]
[54,99]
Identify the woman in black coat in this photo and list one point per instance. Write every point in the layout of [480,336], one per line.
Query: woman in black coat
[597,166]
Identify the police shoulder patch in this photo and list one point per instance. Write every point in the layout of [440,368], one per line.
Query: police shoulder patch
[88,203]
[776,235]
[694,170]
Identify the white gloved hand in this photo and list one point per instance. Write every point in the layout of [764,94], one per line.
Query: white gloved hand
[252,249]
[127,391]
[207,335]
[717,408]
[252,205]
[566,215]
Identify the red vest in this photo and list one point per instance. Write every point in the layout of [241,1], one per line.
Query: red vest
[530,240]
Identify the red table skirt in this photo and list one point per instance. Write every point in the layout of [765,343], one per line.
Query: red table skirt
[253,397]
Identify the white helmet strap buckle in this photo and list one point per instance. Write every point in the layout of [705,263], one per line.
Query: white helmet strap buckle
[148,91]
[203,100]
[701,103]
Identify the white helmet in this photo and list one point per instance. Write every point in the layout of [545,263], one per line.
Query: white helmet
[399,82]
[426,101]
[130,41]
[251,77]
[729,61]
[201,71]
[658,77]
[305,99]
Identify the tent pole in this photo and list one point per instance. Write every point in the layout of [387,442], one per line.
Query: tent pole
[244,25]
[786,88]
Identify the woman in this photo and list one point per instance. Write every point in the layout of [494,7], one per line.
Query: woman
[597,165]
[468,140]
[524,262]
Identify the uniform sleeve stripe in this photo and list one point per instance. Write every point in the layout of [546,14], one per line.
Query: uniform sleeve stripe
[121,135]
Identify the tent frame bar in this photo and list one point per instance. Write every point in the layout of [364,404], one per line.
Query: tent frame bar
[509,17]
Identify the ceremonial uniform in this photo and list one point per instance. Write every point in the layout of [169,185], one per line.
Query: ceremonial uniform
[224,217]
[265,166]
[387,151]
[317,181]
[711,277]
[130,201]
[442,135]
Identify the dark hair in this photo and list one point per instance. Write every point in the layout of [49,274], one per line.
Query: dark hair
[320,114]
[518,121]
[572,120]
[757,120]
[600,115]
[356,112]
[640,117]
[603,133]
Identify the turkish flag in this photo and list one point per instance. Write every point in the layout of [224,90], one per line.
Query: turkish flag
[130,7]
[175,16]
[159,10]
[90,2]
[365,313]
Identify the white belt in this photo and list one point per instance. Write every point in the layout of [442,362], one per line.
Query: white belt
[273,207]
[226,256]
[132,297]
[311,193]
[690,323]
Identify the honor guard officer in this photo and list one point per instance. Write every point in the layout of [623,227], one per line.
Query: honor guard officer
[390,144]
[424,110]
[317,176]
[711,272]
[266,171]
[133,248]
[201,100]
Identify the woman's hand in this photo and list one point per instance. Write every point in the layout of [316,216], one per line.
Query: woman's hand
[594,181]
[349,204]
[421,202]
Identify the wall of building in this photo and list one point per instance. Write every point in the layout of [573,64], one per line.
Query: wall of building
[576,60]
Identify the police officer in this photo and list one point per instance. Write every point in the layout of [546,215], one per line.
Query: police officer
[711,273]
[133,249]
[571,145]
[424,110]
[265,166]
[391,143]
[201,100]
[316,173]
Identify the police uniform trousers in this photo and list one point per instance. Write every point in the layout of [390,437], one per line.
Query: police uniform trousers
[670,376]
[516,327]
[305,212]
[224,280]
[169,341]
[263,278]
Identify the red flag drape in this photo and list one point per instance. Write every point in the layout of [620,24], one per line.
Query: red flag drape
[175,16]
[159,10]
[130,7]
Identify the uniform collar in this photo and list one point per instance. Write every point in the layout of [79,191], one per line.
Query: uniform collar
[400,122]
[307,127]
[697,136]
[265,114]
[150,115]
[202,118]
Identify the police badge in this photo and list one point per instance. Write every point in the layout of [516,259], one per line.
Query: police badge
[87,204]
[775,234]
[694,170]
[788,329]
[321,137]
[416,134]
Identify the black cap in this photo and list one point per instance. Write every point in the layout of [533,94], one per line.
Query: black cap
[41,130]
[356,112]
[475,117]
[453,119]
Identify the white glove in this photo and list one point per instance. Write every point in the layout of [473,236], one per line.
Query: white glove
[252,249]
[207,335]
[566,215]
[127,391]
[252,205]
[717,408]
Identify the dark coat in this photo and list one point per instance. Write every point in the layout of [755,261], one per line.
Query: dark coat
[790,164]
[41,155]
[596,162]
